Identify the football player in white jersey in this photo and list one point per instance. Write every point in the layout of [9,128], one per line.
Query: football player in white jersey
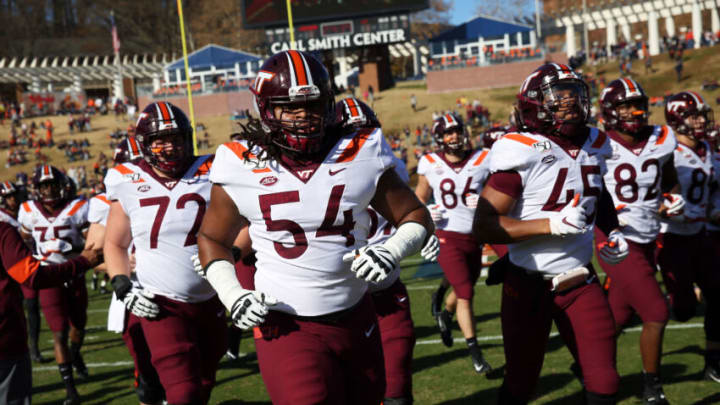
[542,198]
[304,187]
[639,171]
[57,222]
[687,256]
[454,177]
[157,204]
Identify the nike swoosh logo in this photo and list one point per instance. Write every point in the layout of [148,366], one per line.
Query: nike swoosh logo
[332,173]
[370,331]
[564,221]
[402,299]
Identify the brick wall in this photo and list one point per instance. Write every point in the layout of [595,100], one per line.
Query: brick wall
[208,105]
[508,74]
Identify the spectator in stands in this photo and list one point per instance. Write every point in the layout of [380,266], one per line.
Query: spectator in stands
[413,102]
[679,68]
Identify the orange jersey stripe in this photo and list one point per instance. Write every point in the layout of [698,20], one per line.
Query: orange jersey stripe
[481,158]
[238,149]
[103,199]
[430,158]
[123,169]
[521,138]
[23,269]
[353,147]
[299,68]
[26,207]
[663,135]
[76,207]
[600,140]
[205,166]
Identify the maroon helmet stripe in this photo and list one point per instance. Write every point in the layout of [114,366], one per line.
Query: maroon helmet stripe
[299,66]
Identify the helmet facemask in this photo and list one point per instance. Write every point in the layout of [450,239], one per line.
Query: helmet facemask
[458,145]
[566,105]
[631,116]
[169,151]
[698,124]
[51,192]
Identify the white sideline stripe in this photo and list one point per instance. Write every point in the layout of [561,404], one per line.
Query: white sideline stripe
[422,342]
[554,334]
[89,365]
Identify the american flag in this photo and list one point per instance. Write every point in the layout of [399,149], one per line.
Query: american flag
[115,38]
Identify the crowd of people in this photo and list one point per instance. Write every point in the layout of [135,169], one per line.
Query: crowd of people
[296,228]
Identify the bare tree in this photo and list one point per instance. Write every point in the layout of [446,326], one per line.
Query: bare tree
[503,9]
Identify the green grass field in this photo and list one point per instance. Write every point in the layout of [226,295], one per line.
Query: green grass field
[440,375]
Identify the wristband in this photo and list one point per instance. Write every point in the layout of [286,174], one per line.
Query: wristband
[121,284]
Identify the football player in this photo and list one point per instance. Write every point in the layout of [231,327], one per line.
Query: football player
[157,204]
[687,256]
[56,220]
[454,177]
[390,297]
[639,172]
[304,187]
[17,265]
[10,200]
[543,195]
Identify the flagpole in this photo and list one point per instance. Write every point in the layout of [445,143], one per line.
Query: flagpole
[290,24]
[187,75]
[120,90]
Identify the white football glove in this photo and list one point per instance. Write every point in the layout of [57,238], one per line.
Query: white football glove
[247,308]
[437,213]
[471,200]
[674,203]
[250,309]
[615,249]
[139,302]
[199,270]
[431,250]
[572,219]
[371,263]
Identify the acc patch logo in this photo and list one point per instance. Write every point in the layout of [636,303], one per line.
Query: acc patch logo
[268,180]
[144,188]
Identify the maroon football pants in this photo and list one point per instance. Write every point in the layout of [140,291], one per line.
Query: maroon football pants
[461,260]
[392,306]
[140,352]
[633,286]
[692,259]
[583,318]
[338,360]
[65,306]
[186,342]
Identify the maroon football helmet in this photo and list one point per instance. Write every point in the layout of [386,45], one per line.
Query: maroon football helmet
[127,150]
[51,186]
[684,105]
[624,91]
[162,119]
[493,134]
[353,113]
[7,190]
[548,96]
[298,81]
[447,123]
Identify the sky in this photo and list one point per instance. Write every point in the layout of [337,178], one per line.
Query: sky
[464,10]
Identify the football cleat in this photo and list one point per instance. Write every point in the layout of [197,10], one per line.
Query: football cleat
[480,365]
[712,372]
[653,392]
[72,400]
[444,323]
[37,357]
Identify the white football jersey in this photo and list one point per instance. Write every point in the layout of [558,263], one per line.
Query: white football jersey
[451,185]
[381,229]
[6,216]
[633,180]
[67,226]
[695,174]
[550,178]
[99,209]
[164,220]
[302,222]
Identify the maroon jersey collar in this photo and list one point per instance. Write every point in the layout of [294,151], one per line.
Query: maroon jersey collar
[167,182]
[456,166]
[640,143]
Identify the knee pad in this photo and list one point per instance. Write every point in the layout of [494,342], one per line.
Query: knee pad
[149,392]
[397,401]
[592,398]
